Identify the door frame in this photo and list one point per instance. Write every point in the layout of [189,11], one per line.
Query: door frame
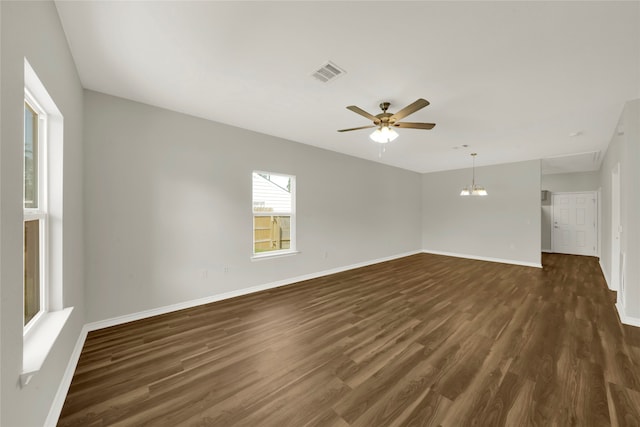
[616,231]
[595,215]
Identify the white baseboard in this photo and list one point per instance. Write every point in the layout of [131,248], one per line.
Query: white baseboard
[232,294]
[65,383]
[627,320]
[548,251]
[606,277]
[483,258]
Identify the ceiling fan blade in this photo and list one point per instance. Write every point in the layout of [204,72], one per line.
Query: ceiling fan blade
[415,125]
[360,111]
[409,109]
[361,127]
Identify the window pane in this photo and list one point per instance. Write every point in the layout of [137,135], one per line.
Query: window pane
[30,157]
[271,193]
[31,269]
[271,233]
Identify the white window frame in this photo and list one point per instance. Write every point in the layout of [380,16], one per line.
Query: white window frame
[41,212]
[41,333]
[292,221]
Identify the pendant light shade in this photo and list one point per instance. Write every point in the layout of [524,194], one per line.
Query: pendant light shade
[383,135]
[473,189]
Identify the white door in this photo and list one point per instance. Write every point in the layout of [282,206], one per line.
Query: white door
[574,223]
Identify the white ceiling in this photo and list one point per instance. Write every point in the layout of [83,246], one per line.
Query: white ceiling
[510,79]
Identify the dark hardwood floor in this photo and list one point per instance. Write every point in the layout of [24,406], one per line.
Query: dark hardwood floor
[424,340]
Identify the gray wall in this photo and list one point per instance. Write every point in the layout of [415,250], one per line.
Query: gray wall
[504,226]
[624,149]
[32,30]
[563,182]
[168,196]
[570,182]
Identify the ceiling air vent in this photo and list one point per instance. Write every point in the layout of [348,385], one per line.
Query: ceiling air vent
[328,72]
[596,156]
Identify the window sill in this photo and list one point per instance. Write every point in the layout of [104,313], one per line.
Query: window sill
[39,341]
[273,255]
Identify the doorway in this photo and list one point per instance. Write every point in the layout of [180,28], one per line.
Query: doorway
[575,225]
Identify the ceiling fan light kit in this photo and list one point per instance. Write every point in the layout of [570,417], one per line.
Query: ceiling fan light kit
[473,189]
[384,122]
[383,135]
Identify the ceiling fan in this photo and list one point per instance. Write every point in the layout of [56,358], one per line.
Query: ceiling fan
[385,121]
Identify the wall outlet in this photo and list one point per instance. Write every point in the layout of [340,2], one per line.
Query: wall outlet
[226,269]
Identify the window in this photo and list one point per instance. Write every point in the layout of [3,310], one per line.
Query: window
[44,314]
[35,210]
[273,214]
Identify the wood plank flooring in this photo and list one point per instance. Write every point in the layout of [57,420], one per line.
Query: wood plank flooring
[425,340]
